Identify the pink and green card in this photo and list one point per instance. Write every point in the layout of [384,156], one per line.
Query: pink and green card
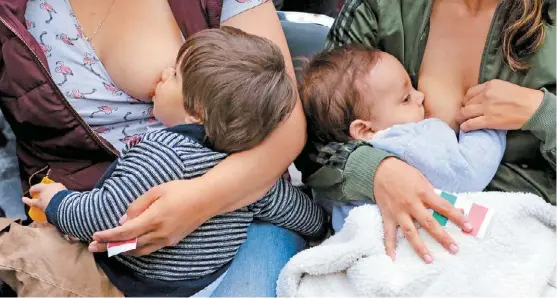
[478,215]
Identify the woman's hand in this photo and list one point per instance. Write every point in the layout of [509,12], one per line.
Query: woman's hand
[161,217]
[403,200]
[498,104]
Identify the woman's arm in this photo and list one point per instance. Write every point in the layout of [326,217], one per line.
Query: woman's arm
[457,165]
[542,125]
[256,170]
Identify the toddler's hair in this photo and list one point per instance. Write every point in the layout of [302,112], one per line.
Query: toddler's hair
[237,84]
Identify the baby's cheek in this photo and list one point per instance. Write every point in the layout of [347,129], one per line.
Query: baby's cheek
[155,111]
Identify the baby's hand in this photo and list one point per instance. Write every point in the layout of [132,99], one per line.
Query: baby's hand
[44,193]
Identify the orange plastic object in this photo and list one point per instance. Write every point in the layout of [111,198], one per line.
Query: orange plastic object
[35,213]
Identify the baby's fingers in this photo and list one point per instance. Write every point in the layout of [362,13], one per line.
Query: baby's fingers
[30,202]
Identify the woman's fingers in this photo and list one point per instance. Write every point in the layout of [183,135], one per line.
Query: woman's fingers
[472,93]
[144,250]
[389,227]
[133,228]
[141,204]
[429,223]
[474,124]
[445,208]
[411,234]
[144,245]
[471,111]
[96,246]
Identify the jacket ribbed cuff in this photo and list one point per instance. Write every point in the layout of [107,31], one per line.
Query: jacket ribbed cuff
[360,171]
[542,123]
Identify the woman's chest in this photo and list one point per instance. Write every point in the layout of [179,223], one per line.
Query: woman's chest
[135,42]
[451,63]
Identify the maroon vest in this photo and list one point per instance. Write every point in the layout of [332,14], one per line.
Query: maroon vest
[51,137]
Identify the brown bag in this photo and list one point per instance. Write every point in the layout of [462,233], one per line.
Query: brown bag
[38,261]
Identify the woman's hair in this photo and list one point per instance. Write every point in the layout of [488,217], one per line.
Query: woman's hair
[523,32]
[237,84]
[332,88]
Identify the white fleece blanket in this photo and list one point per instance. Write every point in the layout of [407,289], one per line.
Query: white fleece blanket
[516,257]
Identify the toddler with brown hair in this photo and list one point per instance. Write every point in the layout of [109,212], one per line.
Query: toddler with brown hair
[240,92]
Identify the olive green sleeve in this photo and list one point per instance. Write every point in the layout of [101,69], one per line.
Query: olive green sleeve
[356,23]
[542,125]
[360,171]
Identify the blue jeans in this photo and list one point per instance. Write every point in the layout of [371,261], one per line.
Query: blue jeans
[10,185]
[255,269]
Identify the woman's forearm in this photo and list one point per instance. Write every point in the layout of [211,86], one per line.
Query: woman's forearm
[245,177]
[542,125]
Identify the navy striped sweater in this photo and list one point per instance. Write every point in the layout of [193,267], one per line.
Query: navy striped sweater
[162,156]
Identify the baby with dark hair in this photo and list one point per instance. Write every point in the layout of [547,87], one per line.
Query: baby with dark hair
[359,93]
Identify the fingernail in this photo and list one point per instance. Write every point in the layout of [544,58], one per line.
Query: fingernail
[468,227]
[392,256]
[428,259]
[123,219]
[92,248]
[453,249]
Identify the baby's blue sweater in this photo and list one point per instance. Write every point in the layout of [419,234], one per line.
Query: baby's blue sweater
[466,164]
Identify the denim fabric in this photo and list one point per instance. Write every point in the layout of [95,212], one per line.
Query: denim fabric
[10,187]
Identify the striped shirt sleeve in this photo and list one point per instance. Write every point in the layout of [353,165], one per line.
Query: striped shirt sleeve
[287,206]
[150,163]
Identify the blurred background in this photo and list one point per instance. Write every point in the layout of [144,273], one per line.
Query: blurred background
[325,7]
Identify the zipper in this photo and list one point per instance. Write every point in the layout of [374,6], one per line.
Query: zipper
[30,180]
[422,41]
[59,93]
[486,45]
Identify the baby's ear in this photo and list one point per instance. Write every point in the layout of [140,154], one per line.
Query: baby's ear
[361,130]
[193,119]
